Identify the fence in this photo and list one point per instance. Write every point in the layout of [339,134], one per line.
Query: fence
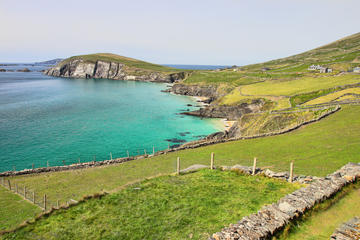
[42,200]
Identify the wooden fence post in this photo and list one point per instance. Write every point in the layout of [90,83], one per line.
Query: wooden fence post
[153,150]
[57,203]
[9,184]
[212,161]
[45,202]
[110,156]
[178,166]
[79,161]
[127,151]
[47,163]
[2,181]
[145,151]
[291,171]
[25,192]
[254,166]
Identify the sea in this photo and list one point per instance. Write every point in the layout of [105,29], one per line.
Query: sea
[54,121]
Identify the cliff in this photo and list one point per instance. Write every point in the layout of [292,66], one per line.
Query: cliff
[116,67]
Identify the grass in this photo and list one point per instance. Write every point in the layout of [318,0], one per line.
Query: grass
[302,85]
[129,62]
[169,207]
[317,149]
[14,210]
[321,222]
[333,96]
[235,97]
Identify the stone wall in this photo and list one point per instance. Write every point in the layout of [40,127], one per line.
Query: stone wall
[272,218]
[348,231]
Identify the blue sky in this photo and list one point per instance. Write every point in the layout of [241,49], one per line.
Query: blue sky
[223,32]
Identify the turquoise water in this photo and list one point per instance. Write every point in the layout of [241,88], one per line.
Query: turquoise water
[54,119]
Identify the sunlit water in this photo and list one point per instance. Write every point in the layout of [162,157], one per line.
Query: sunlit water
[55,119]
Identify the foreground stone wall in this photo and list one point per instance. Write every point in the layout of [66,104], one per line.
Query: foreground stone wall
[274,217]
[348,231]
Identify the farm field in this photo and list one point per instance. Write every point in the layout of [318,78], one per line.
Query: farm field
[192,206]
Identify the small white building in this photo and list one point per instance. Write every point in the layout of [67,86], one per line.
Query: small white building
[356,70]
[325,70]
[314,67]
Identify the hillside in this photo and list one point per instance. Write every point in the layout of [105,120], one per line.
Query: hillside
[286,84]
[111,66]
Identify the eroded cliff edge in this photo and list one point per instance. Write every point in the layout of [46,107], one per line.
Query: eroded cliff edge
[79,68]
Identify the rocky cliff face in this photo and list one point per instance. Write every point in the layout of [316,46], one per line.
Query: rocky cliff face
[77,68]
[227,111]
[194,90]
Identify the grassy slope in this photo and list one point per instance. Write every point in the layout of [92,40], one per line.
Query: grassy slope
[318,149]
[14,210]
[287,76]
[328,216]
[168,207]
[129,62]
[298,86]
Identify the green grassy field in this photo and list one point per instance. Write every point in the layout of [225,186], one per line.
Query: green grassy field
[169,207]
[14,210]
[322,222]
[302,85]
[317,149]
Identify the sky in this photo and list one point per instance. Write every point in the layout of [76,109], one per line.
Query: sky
[209,32]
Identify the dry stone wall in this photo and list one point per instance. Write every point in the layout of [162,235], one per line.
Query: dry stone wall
[272,218]
[348,231]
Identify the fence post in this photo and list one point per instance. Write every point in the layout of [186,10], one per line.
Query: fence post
[9,184]
[47,163]
[153,150]
[25,192]
[254,166]
[178,166]
[78,160]
[33,197]
[127,151]
[212,161]
[45,202]
[145,151]
[2,181]
[110,156]
[57,203]
[291,171]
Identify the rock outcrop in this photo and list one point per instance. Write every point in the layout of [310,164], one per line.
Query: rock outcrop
[78,68]
[231,112]
[194,90]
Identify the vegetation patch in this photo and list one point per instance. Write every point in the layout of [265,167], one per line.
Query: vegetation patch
[169,207]
[14,210]
[333,96]
[302,85]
